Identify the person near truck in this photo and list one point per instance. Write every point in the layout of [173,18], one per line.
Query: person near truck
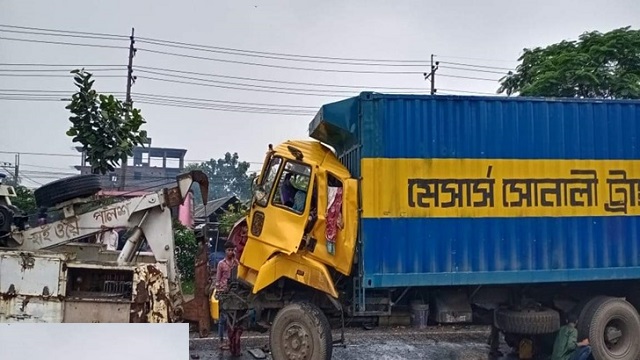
[223,274]
[567,346]
[109,237]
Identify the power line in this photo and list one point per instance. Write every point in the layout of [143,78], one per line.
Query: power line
[271,81]
[421,62]
[61,65]
[60,70]
[60,35]
[33,92]
[58,76]
[49,91]
[39,153]
[240,84]
[203,107]
[79,155]
[236,88]
[29,99]
[225,106]
[62,31]
[253,86]
[469,92]
[280,66]
[288,57]
[468,77]
[477,58]
[64,43]
[474,70]
[479,66]
[168,42]
[227,102]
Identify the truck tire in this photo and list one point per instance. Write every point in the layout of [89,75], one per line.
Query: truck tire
[586,314]
[614,330]
[66,189]
[527,322]
[301,331]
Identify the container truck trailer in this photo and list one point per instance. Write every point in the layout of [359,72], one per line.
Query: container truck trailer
[521,209]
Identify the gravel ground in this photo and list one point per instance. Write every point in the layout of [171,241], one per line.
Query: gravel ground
[437,343]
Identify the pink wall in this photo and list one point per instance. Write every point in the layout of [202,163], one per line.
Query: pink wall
[185,211]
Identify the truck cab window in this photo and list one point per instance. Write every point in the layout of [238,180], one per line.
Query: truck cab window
[293,186]
[268,181]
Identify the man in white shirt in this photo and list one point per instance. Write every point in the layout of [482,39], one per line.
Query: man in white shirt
[109,237]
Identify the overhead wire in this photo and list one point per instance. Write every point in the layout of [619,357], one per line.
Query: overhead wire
[168,42]
[61,31]
[288,57]
[79,156]
[102,46]
[273,66]
[268,80]
[61,35]
[136,95]
[237,88]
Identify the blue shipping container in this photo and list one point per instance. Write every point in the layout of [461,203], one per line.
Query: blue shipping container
[460,190]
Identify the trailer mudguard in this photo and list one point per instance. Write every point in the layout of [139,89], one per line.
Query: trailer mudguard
[298,268]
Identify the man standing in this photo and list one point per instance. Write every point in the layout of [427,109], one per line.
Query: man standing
[566,346]
[109,237]
[223,273]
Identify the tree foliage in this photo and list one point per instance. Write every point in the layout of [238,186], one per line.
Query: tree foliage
[597,65]
[227,176]
[107,128]
[25,200]
[230,217]
[186,248]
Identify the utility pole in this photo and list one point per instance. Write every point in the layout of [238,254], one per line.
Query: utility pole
[128,102]
[432,75]
[16,171]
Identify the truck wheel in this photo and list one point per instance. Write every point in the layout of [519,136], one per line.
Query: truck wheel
[614,330]
[527,322]
[66,189]
[301,331]
[586,314]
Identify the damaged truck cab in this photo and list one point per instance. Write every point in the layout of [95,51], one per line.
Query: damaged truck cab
[300,238]
[303,219]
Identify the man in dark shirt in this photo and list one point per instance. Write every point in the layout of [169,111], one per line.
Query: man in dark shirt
[223,273]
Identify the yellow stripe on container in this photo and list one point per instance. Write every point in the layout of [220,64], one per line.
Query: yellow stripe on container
[499,188]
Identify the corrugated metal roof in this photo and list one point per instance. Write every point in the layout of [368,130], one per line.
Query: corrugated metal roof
[213,206]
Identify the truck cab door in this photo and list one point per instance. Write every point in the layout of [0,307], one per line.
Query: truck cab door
[281,209]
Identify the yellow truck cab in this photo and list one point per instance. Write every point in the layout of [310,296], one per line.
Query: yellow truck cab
[292,234]
[301,238]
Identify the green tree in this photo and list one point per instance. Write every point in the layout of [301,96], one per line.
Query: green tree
[227,176]
[25,200]
[107,128]
[186,248]
[597,65]
[230,217]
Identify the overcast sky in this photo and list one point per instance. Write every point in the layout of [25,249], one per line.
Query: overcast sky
[488,33]
[94,341]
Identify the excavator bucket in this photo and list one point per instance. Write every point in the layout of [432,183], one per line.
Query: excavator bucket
[177,195]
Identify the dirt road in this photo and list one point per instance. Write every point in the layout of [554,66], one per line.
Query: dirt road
[437,343]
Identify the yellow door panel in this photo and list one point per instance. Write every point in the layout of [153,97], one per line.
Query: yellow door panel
[298,268]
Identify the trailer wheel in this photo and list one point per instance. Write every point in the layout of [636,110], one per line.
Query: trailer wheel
[527,322]
[614,330]
[301,331]
[66,189]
